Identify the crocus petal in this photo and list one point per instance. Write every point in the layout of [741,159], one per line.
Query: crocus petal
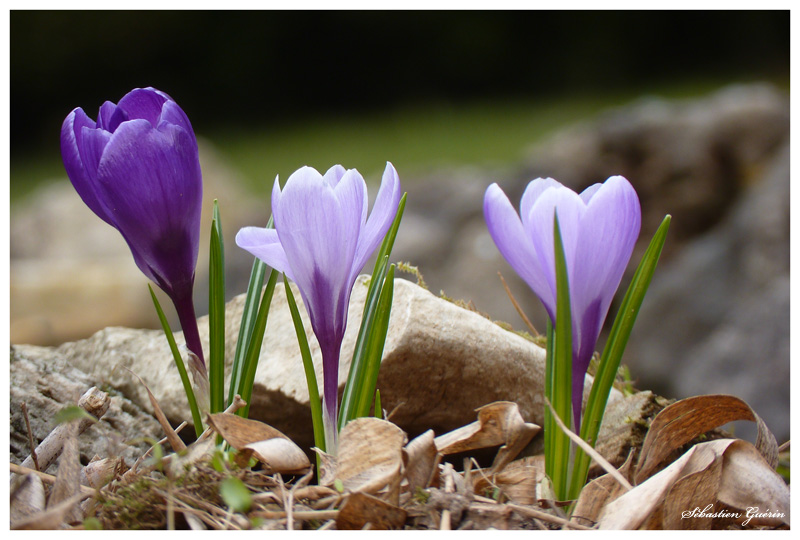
[143,103]
[539,226]
[334,174]
[150,183]
[383,213]
[264,244]
[172,114]
[313,232]
[532,193]
[608,234]
[105,114]
[72,132]
[505,228]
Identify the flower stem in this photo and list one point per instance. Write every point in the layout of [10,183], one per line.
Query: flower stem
[185,308]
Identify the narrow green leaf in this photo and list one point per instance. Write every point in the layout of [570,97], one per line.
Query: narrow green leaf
[216,315]
[549,425]
[354,383]
[254,347]
[562,368]
[613,351]
[308,365]
[249,315]
[176,355]
[378,407]
[235,494]
[375,342]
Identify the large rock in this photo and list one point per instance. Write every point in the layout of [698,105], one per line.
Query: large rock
[726,298]
[46,383]
[440,363]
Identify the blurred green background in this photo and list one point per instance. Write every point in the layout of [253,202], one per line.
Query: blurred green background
[277,90]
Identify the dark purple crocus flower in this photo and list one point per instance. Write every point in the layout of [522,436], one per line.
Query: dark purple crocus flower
[321,240]
[137,168]
[599,228]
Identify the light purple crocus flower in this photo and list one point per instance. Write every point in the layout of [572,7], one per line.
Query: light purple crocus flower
[599,228]
[321,240]
[137,168]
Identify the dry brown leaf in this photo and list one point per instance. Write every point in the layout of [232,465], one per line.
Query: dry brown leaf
[360,509]
[749,481]
[727,470]
[499,423]
[419,459]
[370,454]
[174,441]
[264,442]
[688,418]
[69,473]
[27,498]
[598,493]
[519,480]
[279,455]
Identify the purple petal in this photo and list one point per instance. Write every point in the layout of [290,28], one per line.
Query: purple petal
[539,226]
[314,233]
[264,244]
[105,115]
[143,103]
[172,114]
[532,193]
[505,228]
[151,183]
[608,233]
[83,175]
[383,213]
[334,174]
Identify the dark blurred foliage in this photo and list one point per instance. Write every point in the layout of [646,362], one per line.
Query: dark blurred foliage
[230,68]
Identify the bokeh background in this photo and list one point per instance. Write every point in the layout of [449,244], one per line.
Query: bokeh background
[691,106]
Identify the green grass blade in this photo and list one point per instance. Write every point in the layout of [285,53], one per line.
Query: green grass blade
[249,314]
[187,385]
[254,347]
[612,353]
[216,315]
[355,377]
[375,342]
[549,456]
[378,407]
[562,369]
[308,365]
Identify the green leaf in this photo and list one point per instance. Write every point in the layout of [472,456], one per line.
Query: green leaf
[612,353]
[378,408]
[549,425]
[562,370]
[355,378]
[254,346]
[176,355]
[308,365]
[249,315]
[72,413]
[235,494]
[376,339]
[216,314]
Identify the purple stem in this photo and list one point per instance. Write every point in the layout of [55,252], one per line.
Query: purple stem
[185,308]
[330,392]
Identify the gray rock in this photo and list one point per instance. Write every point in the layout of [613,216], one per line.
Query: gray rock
[440,363]
[716,319]
[46,383]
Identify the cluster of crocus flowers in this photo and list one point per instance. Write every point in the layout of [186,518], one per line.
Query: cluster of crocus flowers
[599,228]
[322,238]
[137,168]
